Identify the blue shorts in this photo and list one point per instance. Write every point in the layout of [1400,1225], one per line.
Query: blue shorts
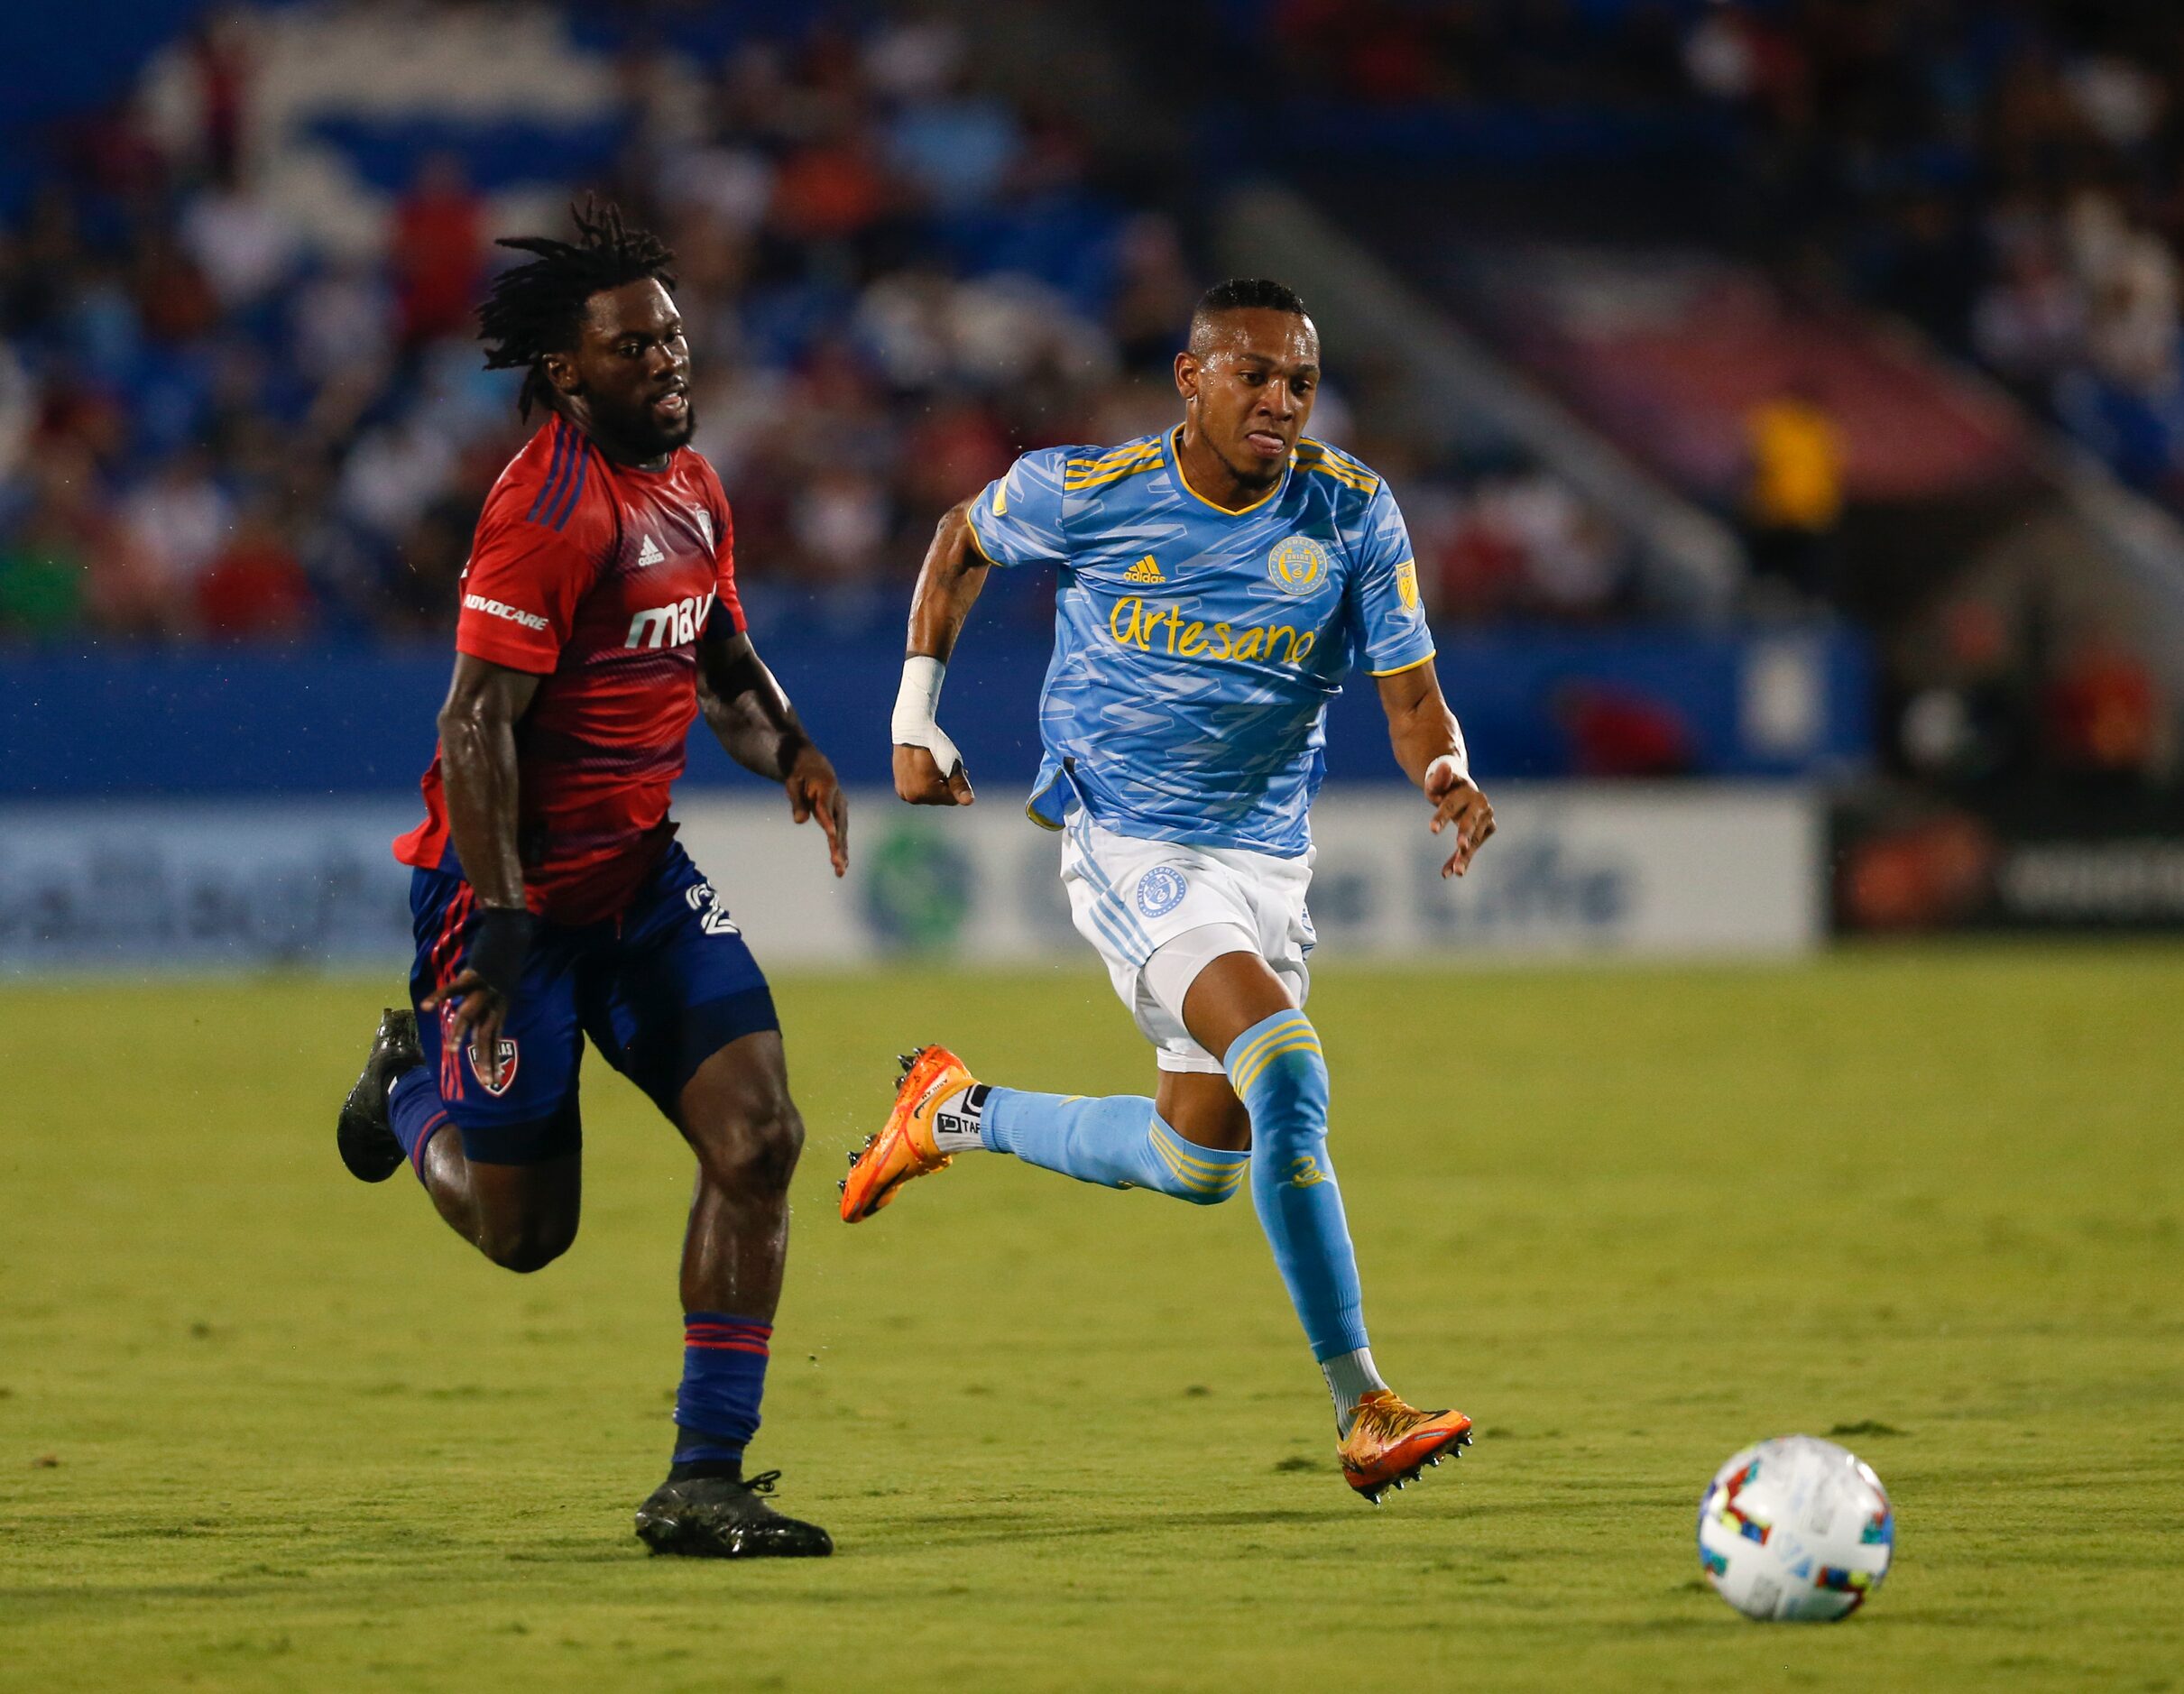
[659,991]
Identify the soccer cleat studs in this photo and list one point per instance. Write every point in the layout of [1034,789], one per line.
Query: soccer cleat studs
[905,1148]
[1391,1444]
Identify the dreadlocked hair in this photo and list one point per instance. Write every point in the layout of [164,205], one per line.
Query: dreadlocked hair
[538,308]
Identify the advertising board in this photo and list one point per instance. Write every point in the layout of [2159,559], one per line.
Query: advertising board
[1575,870]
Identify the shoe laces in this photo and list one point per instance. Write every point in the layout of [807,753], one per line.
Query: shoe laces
[762,1483]
[1385,1419]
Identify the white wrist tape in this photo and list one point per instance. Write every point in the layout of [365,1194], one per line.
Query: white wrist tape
[914,707]
[1457,763]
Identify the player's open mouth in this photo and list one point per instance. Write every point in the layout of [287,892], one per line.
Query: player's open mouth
[1267,444]
[673,404]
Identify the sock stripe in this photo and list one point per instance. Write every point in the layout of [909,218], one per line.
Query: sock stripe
[716,1409]
[424,1140]
[1293,1042]
[1256,1040]
[1188,1153]
[1244,1074]
[1204,1179]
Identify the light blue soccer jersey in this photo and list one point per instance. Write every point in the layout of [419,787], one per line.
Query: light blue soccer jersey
[1195,648]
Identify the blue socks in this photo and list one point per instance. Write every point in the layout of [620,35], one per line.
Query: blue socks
[1276,1070]
[716,1409]
[1118,1141]
[414,1110]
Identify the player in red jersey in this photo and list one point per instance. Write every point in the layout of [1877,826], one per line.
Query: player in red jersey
[550,900]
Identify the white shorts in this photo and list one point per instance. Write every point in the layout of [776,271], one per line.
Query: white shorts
[1159,912]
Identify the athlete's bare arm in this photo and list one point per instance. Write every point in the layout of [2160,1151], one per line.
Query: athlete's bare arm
[1423,732]
[947,587]
[757,726]
[485,701]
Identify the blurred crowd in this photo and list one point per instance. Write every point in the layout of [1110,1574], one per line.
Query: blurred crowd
[898,267]
[2007,173]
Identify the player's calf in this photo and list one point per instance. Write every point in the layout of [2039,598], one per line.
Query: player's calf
[1116,1141]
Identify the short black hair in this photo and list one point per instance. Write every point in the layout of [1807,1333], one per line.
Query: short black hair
[538,308]
[1240,293]
[1243,293]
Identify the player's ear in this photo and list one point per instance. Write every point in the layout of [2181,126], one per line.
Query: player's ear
[1186,374]
[560,369]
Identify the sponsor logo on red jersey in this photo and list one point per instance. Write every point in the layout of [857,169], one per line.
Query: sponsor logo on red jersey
[670,625]
[497,609]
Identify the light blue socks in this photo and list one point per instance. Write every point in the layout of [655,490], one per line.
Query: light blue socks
[1276,1070]
[1117,1141]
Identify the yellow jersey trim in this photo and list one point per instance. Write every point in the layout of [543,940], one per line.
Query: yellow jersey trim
[1135,468]
[1184,482]
[1401,669]
[1115,455]
[972,526]
[1078,474]
[1317,455]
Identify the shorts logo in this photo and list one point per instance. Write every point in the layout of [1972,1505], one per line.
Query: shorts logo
[1296,565]
[508,1066]
[1160,891]
[712,916]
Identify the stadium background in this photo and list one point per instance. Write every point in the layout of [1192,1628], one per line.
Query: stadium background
[1785,400]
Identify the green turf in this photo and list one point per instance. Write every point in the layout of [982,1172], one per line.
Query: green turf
[262,1427]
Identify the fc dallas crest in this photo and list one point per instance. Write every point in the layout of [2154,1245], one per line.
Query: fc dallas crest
[508,1067]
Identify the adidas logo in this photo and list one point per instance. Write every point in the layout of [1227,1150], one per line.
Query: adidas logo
[1145,570]
[649,554]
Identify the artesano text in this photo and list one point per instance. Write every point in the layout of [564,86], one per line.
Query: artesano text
[1165,629]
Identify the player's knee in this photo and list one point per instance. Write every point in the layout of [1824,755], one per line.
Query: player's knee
[528,1245]
[757,1154]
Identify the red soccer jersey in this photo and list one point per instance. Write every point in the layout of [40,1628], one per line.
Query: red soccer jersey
[600,578]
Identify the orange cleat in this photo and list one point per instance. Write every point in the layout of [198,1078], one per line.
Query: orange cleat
[1390,1442]
[904,1148]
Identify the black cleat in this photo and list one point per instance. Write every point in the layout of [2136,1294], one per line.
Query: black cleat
[366,1135]
[722,1517]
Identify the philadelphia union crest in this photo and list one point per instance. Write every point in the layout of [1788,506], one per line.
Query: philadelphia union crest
[1297,564]
[1161,890]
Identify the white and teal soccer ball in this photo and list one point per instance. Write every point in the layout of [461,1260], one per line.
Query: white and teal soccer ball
[1795,1529]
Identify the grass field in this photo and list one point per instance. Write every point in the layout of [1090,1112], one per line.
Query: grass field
[262,1428]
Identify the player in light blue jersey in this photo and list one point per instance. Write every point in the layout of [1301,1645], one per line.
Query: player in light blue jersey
[1217,582]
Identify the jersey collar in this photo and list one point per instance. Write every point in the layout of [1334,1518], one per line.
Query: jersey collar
[1183,482]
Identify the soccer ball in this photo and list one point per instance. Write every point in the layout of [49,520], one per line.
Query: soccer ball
[1795,1529]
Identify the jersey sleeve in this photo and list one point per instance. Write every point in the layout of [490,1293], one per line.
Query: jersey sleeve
[524,580]
[1017,518]
[1392,632]
[726,618]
